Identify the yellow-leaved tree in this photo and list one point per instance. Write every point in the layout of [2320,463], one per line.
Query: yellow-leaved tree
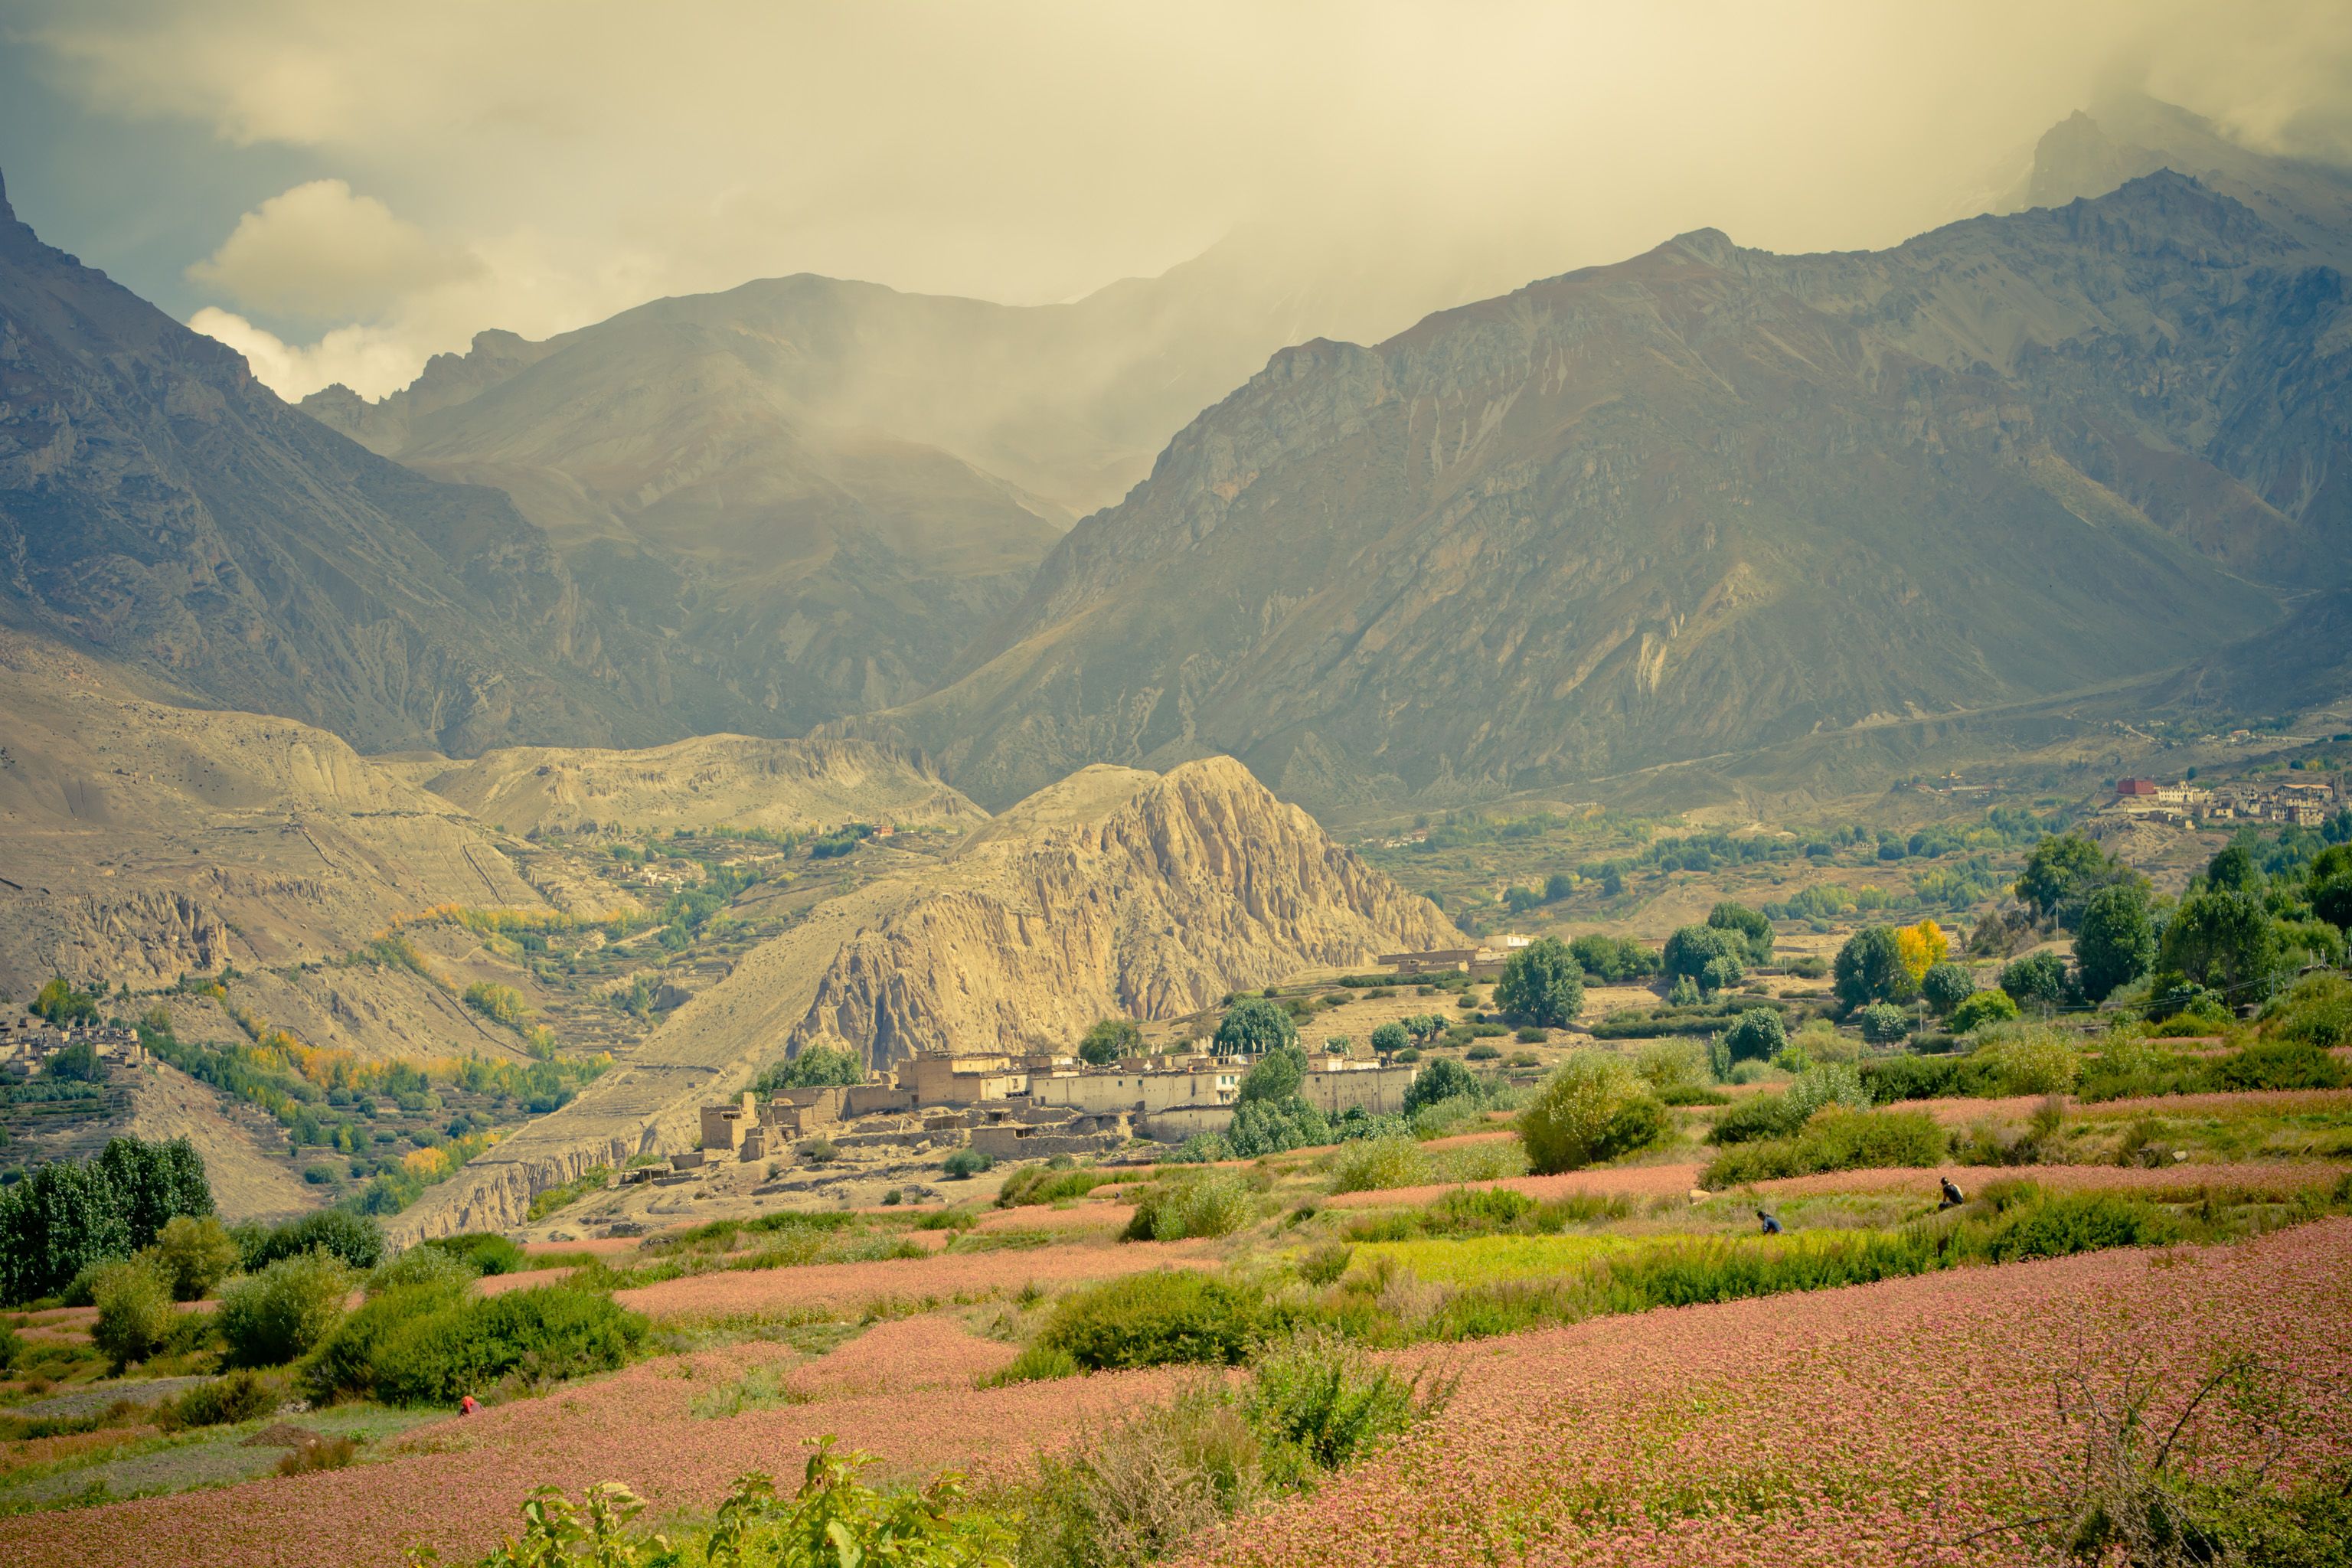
[1923,946]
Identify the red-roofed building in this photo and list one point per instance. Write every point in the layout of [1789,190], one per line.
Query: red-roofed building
[2126,789]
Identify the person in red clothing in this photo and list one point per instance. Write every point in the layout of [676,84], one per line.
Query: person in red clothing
[468,1405]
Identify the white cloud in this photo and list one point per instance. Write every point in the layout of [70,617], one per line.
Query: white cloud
[320,252]
[370,360]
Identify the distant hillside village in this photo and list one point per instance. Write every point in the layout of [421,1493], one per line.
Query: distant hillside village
[1032,1106]
[2300,802]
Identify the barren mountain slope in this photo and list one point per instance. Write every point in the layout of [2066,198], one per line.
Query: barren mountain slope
[140,839]
[159,503]
[1702,501]
[1116,893]
[734,780]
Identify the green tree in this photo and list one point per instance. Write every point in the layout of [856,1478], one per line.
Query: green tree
[2038,980]
[1592,1108]
[1440,1081]
[1691,948]
[1757,1035]
[61,1004]
[2328,887]
[1108,1040]
[2118,942]
[274,1316]
[1275,1076]
[1542,984]
[76,1063]
[134,1313]
[2234,869]
[1752,927]
[2222,940]
[2061,874]
[67,1215]
[1884,1023]
[815,1066]
[1870,968]
[1946,985]
[194,1254]
[1254,1026]
[1389,1038]
[1425,1027]
[1983,1007]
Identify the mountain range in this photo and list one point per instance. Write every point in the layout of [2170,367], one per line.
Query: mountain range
[1699,504]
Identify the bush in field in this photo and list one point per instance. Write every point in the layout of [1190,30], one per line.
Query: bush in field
[2275,1064]
[2058,1225]
[425,1264]
[1674,1069]
[1376,1164]
[1691,949]
[1819,1088]
[1983,1007]
[279,1314]
[962,1164]
[484,1252]
[1592,1108]
[192,1255]
[2026,1059]
[1757,1117]
[1271,1126]
[1321,1398]
[1323,1264]
[342,1364]
[1882,1022]
[1946,985]
[2317,1011]
[2038,981]
[469,1345]
[1152,1320]
[1215,1203]
[1834,1140]
[241,1395]
[1757,1035]
[354,1239]
[134,1313]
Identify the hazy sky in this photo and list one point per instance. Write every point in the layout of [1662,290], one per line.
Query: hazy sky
[341,189]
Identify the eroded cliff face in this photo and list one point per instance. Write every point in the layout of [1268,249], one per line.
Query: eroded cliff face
[1168,892]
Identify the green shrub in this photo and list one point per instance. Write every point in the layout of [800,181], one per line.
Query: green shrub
[1153,1319]
[2317,1011]
[2028,1059]
[1482,1052]
[962,1164]
[1441,1081]
[1323,1264]
[1215,1203]
[1981,1008]
[1592,1108]
[538,1335]
[242,1394]
[1376,1164]
[355,1239]
[279,1314]
[485,1252]
[425,1264]
[1319,1396]
[1755,1116]
[1817,1089]
[1757,1035]
[1883,1022]
[342,1365]
[1036,1364]
[134,1313]
[191,1254]
[1835,1140]
[2058,1225]
[2275,1064]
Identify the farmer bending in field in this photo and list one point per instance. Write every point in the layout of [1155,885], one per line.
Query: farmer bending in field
[1952,1196]
[1772,1225]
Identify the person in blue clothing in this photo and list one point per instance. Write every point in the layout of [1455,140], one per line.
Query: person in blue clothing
[1771,1226]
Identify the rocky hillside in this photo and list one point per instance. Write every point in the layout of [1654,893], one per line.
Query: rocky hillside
[1116,893]
[712,781]
[159,504]
[1702,501]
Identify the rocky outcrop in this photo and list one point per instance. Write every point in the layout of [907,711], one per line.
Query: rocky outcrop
[1165,895]
[1115,892]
